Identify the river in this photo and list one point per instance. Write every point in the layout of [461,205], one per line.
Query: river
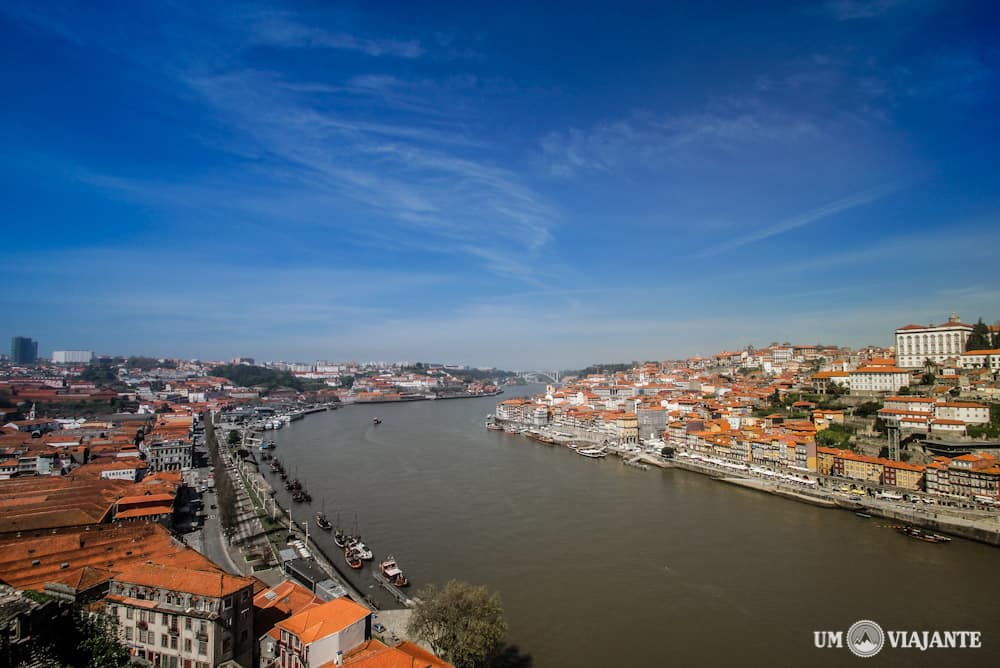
[599,564]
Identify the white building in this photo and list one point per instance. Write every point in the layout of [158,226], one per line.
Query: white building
[321,635]
[966,411]
[877,379]
[917,343]
[981,359]
[72,356]
[171,616]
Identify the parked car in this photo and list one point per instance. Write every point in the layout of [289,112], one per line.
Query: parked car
[378,627]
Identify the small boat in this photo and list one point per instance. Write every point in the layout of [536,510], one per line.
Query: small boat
[339,537]
[376,420]
[920,534]
[864,515]
[493,426]
[595,453]
[392,572]
[322,521]
[353,560]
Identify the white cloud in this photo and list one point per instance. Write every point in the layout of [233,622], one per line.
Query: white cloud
[800,220]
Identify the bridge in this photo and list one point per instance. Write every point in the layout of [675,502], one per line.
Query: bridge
[539,376]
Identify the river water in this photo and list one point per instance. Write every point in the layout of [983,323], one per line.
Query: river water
[599,564]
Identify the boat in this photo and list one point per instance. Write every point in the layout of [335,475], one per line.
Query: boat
[339,537]
[376,420]
[353,560]
[511,430]
[538,436]
[920,534]
[594,453]
[322,521]
[390,569]
[493,426]
[864,515]
[362,550]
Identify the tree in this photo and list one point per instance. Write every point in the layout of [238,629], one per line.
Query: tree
[980,338]
[928,379]
[234,437]
[100,643]
[462,623]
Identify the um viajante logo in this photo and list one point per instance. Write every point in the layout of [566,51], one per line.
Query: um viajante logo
[866,638]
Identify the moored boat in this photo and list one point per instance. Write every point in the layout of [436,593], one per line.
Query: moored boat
[339,537]
[920,534]
[322,522]
[595,453]
[353,560]
[391,570]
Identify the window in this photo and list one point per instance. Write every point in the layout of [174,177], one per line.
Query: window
[128,632]
[163,640]
[187,623]
[187,644]
[128,613]
[202,647]
[173,642]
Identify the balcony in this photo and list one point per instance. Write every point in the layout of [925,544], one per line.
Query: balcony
[201,635]
[174,631]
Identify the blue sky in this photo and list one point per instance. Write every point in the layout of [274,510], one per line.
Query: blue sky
[521,186]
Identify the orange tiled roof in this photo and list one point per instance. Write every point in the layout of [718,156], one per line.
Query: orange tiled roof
[216,583]
[323,620]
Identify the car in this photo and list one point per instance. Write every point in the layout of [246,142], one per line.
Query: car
[378,627]
[214,506]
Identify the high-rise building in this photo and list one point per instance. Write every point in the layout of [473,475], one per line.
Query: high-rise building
[23,350]
[72,356]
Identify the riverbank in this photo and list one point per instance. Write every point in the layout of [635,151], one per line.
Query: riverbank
[984,529]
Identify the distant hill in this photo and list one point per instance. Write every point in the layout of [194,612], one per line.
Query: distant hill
[245,375]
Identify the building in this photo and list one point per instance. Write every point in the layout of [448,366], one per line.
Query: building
[967,411]
[878,379]
[174,616]
[974,475]
[917,343]
[23,350]
[173,455]
[981,359]
[72,356]
[323,634]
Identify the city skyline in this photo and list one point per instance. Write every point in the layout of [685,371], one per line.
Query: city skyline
[511,188]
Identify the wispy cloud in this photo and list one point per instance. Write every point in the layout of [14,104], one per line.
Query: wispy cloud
[801,220]
[655,140]
[850,10]
[284,30]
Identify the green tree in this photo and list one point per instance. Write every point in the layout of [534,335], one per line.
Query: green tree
[928,379]
[980,338]
[99,643]
[234,437]
[462,623]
